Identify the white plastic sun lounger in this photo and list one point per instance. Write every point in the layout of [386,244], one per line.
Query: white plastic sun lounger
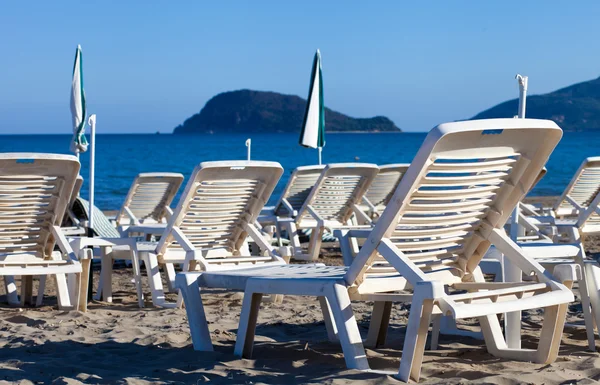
[450,206]
[34,194]
[570,249]
[297,189]
[382,188]
[208,230]
[579,193]
[331,203]
[146,207]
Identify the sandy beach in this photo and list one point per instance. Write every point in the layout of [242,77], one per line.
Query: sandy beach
[120,343]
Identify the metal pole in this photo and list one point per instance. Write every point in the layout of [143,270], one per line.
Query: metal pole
[320,150]
[522,94]
[92,123]
[512,273]
[249,145]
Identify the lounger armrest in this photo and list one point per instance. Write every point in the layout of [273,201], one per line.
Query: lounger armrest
[361,216]
[131,215]
[315,215]
[568,273]
[191,253]
[80,243]
[72,217]
[574,203]
[289,207]
[525,263]
[63,244]
[359,233]
[183,241]
[367,202]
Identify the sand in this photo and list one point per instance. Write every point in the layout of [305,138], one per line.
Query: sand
[120,343]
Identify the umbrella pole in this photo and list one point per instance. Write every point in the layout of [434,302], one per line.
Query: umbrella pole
[522,94]
[92,123]
[512,321]
[320,150]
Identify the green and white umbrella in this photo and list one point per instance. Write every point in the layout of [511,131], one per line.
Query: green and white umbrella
[313,127]
[78,110]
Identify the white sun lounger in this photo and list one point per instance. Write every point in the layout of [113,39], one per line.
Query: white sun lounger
[208,230]
[581,190]
[297,189]
[450,206]
[292,198]
[570,249]
[34,194]
[146,208]
[382,188]
[331,203]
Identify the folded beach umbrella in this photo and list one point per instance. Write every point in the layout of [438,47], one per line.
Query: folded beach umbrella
[78,110]
[313,127]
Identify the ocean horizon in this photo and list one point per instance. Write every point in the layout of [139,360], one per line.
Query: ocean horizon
[120,157]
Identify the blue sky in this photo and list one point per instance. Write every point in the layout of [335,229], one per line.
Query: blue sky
[149,65]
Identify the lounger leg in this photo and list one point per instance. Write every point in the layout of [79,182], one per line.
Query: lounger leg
[417,329]
[170,271]
[82,285]
[585,289]
[345,246]
[348,333]
[587,292]
[244,342]
[189,289]
[137,276]
[314,243]
[11,290]
[592,274]
[154,280]
[41,288]
[416,334]
[62,292]
[435,331]
[332,332]
[290,228]
[278,234]
[106,275]
[98,295]
[378,327]
[26,289]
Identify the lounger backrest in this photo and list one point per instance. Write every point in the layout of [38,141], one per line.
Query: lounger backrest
[149,196]
[298,187]
[583,188]
[34,193]
[464,182]
[339,187]
[219,200]
[385,183]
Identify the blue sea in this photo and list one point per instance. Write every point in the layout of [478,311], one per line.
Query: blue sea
[119,158]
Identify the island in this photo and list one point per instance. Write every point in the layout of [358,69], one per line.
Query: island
[573,108]
[261,111]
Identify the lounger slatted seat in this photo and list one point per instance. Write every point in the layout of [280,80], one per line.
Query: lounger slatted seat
[434,231]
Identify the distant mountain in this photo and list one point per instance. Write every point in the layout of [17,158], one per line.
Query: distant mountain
[258,111]
[573,108]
